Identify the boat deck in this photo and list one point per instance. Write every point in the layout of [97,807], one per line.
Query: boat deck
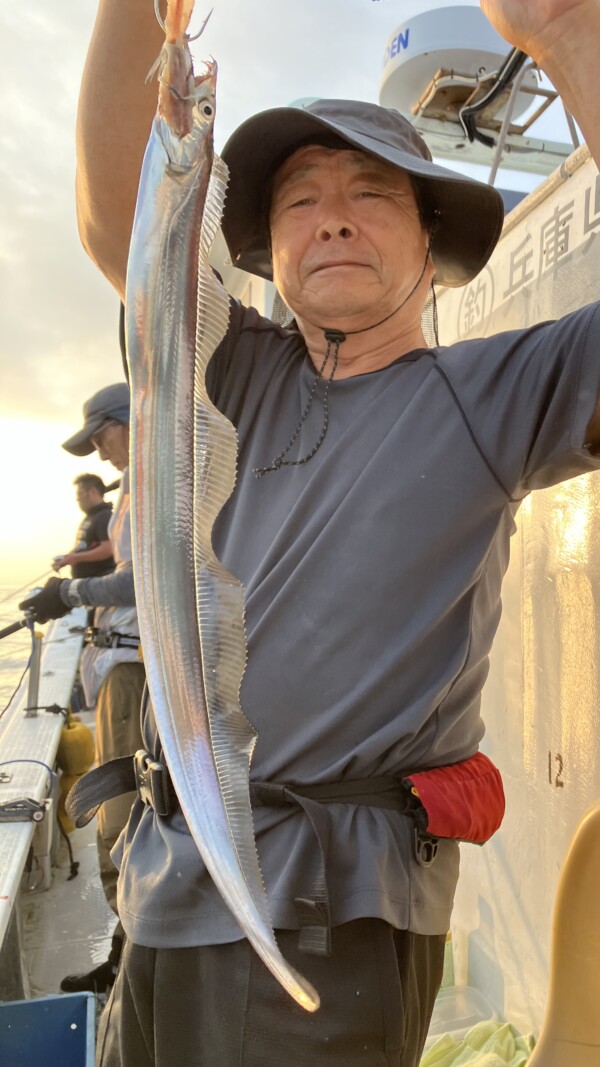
[67,928]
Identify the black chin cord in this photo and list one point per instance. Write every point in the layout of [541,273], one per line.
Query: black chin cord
[365,329]
[334,339]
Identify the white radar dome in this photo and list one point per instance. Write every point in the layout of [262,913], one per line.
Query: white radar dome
[458,41]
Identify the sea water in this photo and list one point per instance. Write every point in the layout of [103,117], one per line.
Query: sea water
[14,650]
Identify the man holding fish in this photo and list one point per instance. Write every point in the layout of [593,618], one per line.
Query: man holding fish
[369,524]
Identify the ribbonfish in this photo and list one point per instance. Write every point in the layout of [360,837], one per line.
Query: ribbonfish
[183,469]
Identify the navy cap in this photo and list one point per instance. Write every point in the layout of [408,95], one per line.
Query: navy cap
[112,402]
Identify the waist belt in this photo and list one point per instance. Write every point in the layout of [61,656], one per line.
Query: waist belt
[110,638]
[473,787]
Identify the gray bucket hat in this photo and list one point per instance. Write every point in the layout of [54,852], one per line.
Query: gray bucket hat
[112,402]
[470,213]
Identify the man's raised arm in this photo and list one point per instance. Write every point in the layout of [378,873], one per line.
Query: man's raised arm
[563,36]
[116,108]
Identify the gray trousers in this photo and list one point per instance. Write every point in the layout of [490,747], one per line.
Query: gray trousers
[218,1006]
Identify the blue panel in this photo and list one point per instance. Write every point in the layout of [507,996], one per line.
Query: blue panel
[53,1031]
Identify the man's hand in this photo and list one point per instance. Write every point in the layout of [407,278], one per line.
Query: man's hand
[48,604]
[69,559]
[563,37]
[537,26]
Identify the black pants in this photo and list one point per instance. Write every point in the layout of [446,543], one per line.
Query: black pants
[218,1006]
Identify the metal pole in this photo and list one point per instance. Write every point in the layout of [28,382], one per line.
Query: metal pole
[34,674]
[571,125]
[510,107]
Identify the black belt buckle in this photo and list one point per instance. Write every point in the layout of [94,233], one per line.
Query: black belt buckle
[98,638]
[152,782]
[109,638]
[426,848]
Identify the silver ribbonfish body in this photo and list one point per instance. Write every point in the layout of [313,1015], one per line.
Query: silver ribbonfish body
[183,469]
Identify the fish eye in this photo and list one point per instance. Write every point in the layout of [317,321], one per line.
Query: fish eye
[207,110]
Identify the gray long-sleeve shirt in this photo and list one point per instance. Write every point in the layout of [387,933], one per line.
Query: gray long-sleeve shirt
[111,590]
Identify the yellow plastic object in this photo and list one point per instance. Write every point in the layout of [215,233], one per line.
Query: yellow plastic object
[75,756]
[571,1032]
[66,783]
[76,752]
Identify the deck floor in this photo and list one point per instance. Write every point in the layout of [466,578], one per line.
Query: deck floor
[67,928]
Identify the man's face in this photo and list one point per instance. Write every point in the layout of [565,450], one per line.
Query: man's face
[86,497]
[112,444]
[346,237]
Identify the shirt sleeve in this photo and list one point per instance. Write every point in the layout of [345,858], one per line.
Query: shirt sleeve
[114,590]
[528,396]
[220,363]
[251,347]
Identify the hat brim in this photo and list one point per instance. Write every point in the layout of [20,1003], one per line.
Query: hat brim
[80,443]
[470,213]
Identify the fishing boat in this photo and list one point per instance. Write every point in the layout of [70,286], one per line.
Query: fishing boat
[542,698]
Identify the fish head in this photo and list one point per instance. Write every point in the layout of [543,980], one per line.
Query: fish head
[204,94]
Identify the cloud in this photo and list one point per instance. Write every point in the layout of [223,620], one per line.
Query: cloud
[59,316]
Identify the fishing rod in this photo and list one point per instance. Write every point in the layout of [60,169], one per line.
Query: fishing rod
[32,581]
[28,620]
[35,658]
[29,617]
[33,666]
[13,628]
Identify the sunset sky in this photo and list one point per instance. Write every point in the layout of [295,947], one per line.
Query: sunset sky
[58,337]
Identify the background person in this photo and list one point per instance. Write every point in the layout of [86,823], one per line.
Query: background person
[92,555]
[111,670]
